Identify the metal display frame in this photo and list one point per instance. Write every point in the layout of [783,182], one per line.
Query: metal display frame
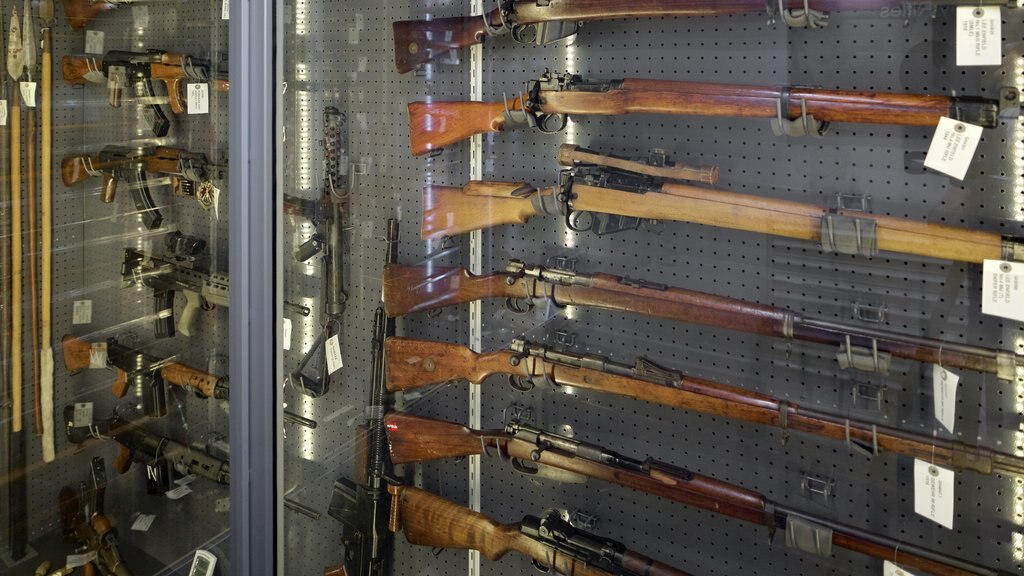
[343,57]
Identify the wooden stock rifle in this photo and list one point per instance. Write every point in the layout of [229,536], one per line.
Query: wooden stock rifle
[409,289]
[162,456]
[190,173]
[537,453]
[551,542]
[80,12]
[532,22]
[548,102]
[414,364]
[84,522]
[623,197]
[136,367]
[117,69]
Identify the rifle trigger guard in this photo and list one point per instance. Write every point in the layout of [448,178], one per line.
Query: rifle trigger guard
[521,384]
[513,305]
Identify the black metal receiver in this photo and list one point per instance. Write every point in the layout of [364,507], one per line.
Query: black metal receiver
[590,549]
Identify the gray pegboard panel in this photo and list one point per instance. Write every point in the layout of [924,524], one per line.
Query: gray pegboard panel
[89,238]
[346,60]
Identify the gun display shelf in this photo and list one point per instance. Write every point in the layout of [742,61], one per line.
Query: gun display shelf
[343,56]
[92,227]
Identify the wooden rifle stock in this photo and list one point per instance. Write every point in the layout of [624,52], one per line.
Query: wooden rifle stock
[430,520]
[80,12]
[75,169]
[434,125]
[420,41]
[416,364]
[79,355]
[409,289]
[76,69]
[448,211]
[669,482]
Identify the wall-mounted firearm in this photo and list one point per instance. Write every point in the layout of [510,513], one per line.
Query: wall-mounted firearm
[621,194]
[80,12]
[119,69]
[538,453]
[415,364]
[166,275]
[84,523]
[533,22]
[162,456]
[551,542]
[190,173]
[548,102]
[410,289]
[136,367]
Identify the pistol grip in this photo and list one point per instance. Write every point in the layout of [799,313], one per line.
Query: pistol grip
[124,460]
[164,311]
[120,387]
[109,188]
[174,86]
[193,302]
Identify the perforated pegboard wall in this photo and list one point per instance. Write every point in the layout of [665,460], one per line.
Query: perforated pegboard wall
[89,241]
[343,55]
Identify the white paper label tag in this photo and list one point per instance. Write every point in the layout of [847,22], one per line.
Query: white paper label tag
[185,480]
[83,414]
[225,10]
[3,112]
[979,36]
[890,569]
[933,492]
[140,15]
[1002,289]
[143,522]
[286,338]
[952,147]
[179,492]
[332,349]
[93,42]
[944,391]
[28,93]
[76,560]
[98,355]
[198,98]
[81,312]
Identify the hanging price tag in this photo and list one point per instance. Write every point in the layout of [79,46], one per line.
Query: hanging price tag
[81,312]
[28,93]
[979,36]
[287,336]
[140,15]
[98,355]
[225,10]
[178,493]
[83,414]
[3,112]
[332,350]
[1002,289]
[933,492]
[143,522]
[93,42]
[198,98]
[890,569]
[952,147]
[76,560]
[944,391]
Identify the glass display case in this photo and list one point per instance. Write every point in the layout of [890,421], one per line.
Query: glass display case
[651,288]
[115,230]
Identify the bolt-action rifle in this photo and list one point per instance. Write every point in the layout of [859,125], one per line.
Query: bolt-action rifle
[410,289]
[361,504]
[85,525]
[549,541]
[190,174]
[162,456]
[542,454]
[620,194]
[414,364]
[548,102]
[135,367]
[119,69]
[532,22]
[166,275]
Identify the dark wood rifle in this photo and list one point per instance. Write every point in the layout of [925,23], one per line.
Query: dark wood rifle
[417,364]
[409,289]
[532,22]
[552,543]
[548,102]
[535,452]
[621,194]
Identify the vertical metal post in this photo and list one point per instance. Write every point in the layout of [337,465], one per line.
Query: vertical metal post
[254,256]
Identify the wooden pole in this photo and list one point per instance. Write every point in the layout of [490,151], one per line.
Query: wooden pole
[46,256]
